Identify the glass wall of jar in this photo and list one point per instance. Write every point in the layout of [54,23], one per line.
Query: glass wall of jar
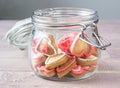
[65,44]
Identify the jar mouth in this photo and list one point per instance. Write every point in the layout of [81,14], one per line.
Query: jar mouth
[64,15]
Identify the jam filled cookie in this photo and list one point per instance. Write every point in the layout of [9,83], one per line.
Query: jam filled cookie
[77,71]
[43,71]
[65,68]
[87,61]
[56,60]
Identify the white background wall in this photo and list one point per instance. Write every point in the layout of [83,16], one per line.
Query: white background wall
[19,9]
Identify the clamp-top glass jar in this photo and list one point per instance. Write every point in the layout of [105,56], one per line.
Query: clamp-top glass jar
[65,43]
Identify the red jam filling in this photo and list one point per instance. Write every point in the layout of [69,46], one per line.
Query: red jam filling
[43,48]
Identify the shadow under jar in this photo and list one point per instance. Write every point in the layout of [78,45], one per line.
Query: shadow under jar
[65,43]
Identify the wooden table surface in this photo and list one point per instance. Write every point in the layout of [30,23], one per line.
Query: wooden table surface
[15,70]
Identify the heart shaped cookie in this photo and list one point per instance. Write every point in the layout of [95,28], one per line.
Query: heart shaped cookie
[65,68]
[47,45]
[43,71]
[56,60]
[80,48]
[87,61]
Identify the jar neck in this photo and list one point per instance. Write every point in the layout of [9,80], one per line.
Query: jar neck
[64,16]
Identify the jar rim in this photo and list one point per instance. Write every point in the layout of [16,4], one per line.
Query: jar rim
[64,15]
[47,12]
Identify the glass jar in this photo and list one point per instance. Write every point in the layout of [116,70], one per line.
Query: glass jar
[65,43]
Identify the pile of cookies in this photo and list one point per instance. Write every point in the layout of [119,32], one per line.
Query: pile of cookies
[70,56]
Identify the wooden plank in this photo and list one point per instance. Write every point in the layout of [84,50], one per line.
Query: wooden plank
[15,64]
[28,79]
[12,53]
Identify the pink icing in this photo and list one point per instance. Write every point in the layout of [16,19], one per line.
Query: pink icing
[87,68]
[77,70]
[91,49]
[66,41]
[43,48]
[80,54]
[83,52]
[42,68]
[65,68]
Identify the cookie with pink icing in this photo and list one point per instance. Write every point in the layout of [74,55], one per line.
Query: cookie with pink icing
[65,68]
[47,45]
[43,71]
[91,60]
[38,59]
[89,68]
[80,48]
[72,44]
[65,42]
[56,60]
[77,71]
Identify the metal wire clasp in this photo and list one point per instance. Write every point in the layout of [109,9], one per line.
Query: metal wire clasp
[94,38]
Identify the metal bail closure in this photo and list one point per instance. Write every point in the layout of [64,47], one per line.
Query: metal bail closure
[93,38]
[19,34]
[102,42]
